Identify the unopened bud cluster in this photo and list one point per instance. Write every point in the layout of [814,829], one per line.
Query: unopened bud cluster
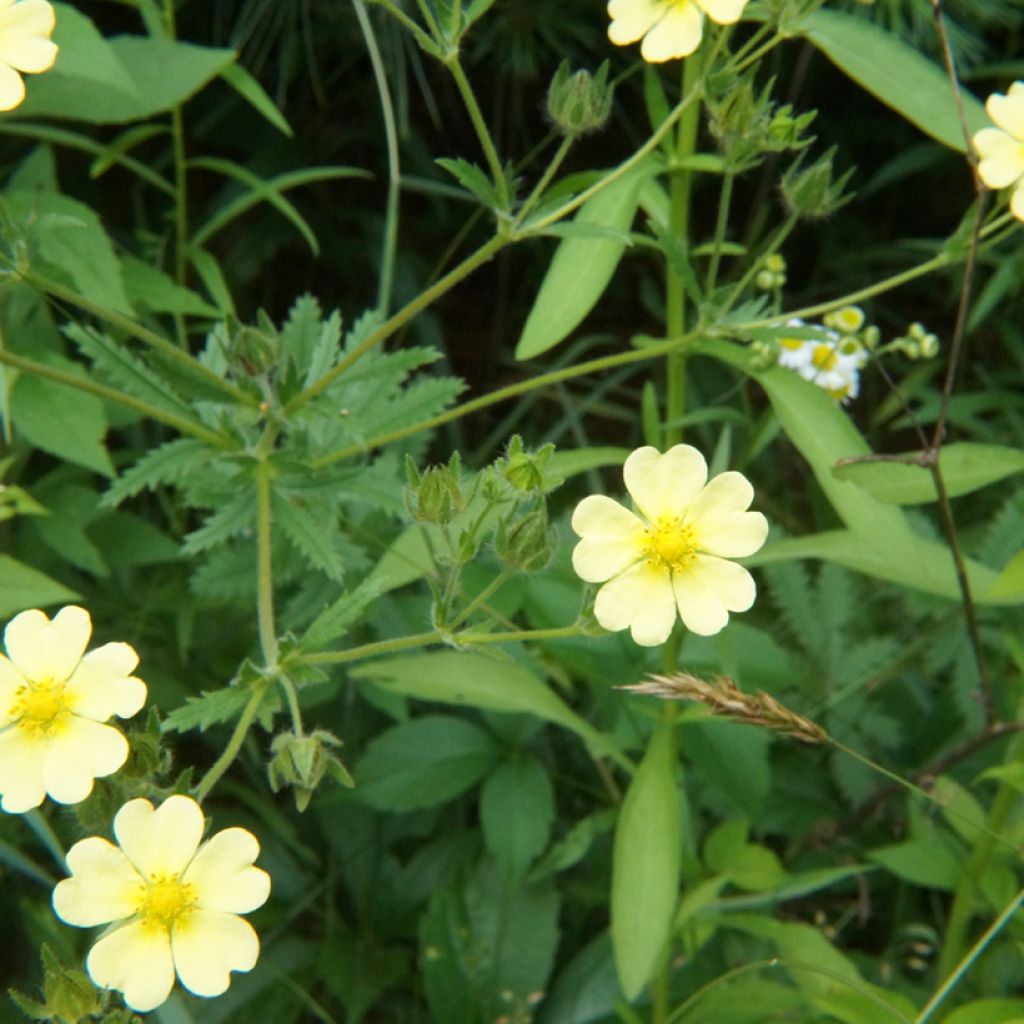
[579,102]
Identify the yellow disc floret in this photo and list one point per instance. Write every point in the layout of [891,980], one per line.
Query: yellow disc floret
[165,901]
[39,708]
[670,544]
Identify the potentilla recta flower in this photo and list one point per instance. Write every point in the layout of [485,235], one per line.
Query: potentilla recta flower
[1001,149]
[672,553]
[669,28]
[54,699]
[25,46]
[172,903]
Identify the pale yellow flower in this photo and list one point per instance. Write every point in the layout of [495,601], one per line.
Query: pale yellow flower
[25,28]
[673,553]
[173,904]
[53,701]
[1001,149]
[669,28]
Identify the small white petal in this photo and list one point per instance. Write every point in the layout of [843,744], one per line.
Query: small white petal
[11,680]
[1002,157]
[720,524]
[21,770]
[223,876]
[161,841]
[103,886]
[632,18]
[82,750]
[678,34]
[25,36]
[209,945]
[725,12]
[135,959]
[12,88]
[103,686]
[612,538]
[708,590]
[48,651]
[1008,111]
[1017,201]
[664,485]
[640,598]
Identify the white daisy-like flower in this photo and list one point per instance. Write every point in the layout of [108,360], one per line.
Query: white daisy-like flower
[25,46]
[672,553]
[54,699]
[1002,148]
[172,903]
[669,28]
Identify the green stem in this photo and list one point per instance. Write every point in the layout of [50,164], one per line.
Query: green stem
[241,730]
[390,241]
[724,203]
[137,331]
[549,172]
[505,393]
[392,324]
[179,423]
[679,227]
[773,246]
[496,584]
[480,127]
[292,699]
[968,961]
[265,583]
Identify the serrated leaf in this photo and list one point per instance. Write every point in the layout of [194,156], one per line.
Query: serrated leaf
[229,520]
[168,463]
[333,622]
[580,269]
[208,709]
[312,536]
[472,178]
[151,288]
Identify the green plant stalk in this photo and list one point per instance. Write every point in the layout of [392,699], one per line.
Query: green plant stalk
[965,899]
[390,241]
[968,961]
[679,226]
[545,179]
[724,203]
[265,572]
[421,37]
[435,637]
[405,314]
[505,393]
[454,65]
[784,231]
[137,331]
[179,423]
[292,699]
[241,730]
[496,584]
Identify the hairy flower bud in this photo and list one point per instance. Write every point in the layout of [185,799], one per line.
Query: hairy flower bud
[579,102]
[435,496]
[525,542]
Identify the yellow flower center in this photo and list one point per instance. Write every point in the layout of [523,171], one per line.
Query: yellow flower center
[166,901]
[824,357]
[39,708]
[793,344]
[671,544]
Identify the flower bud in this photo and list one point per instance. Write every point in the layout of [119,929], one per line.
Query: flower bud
[526,470]
[812,192]
[434,496]
[525,542]
[254,350]
[302,761]
[579,102]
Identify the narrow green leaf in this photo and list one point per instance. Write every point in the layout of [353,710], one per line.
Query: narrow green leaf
[645,866]
[965,468]
[23,587]
[581,268]
[1010,582]
[475,680]
[573,461]
[150,287]
[256,96]
[333,621]
[931,865]
[988,1011]
[472,178]
[896,73]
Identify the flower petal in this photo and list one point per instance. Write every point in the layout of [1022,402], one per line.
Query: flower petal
[678,34]
[161,841]
[136,960]
[22,755]
[1008,111]
[725,12]
[81,751]
[103,886]
[612,538]
[102,685]
[1002,157]
[640,598]
[1017,201]
[25,36]
[11,680]
[223,876]
[12,88]
[632,18]
[720,524]
[209,945]
[664,485]
[708,590]
[44,650]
